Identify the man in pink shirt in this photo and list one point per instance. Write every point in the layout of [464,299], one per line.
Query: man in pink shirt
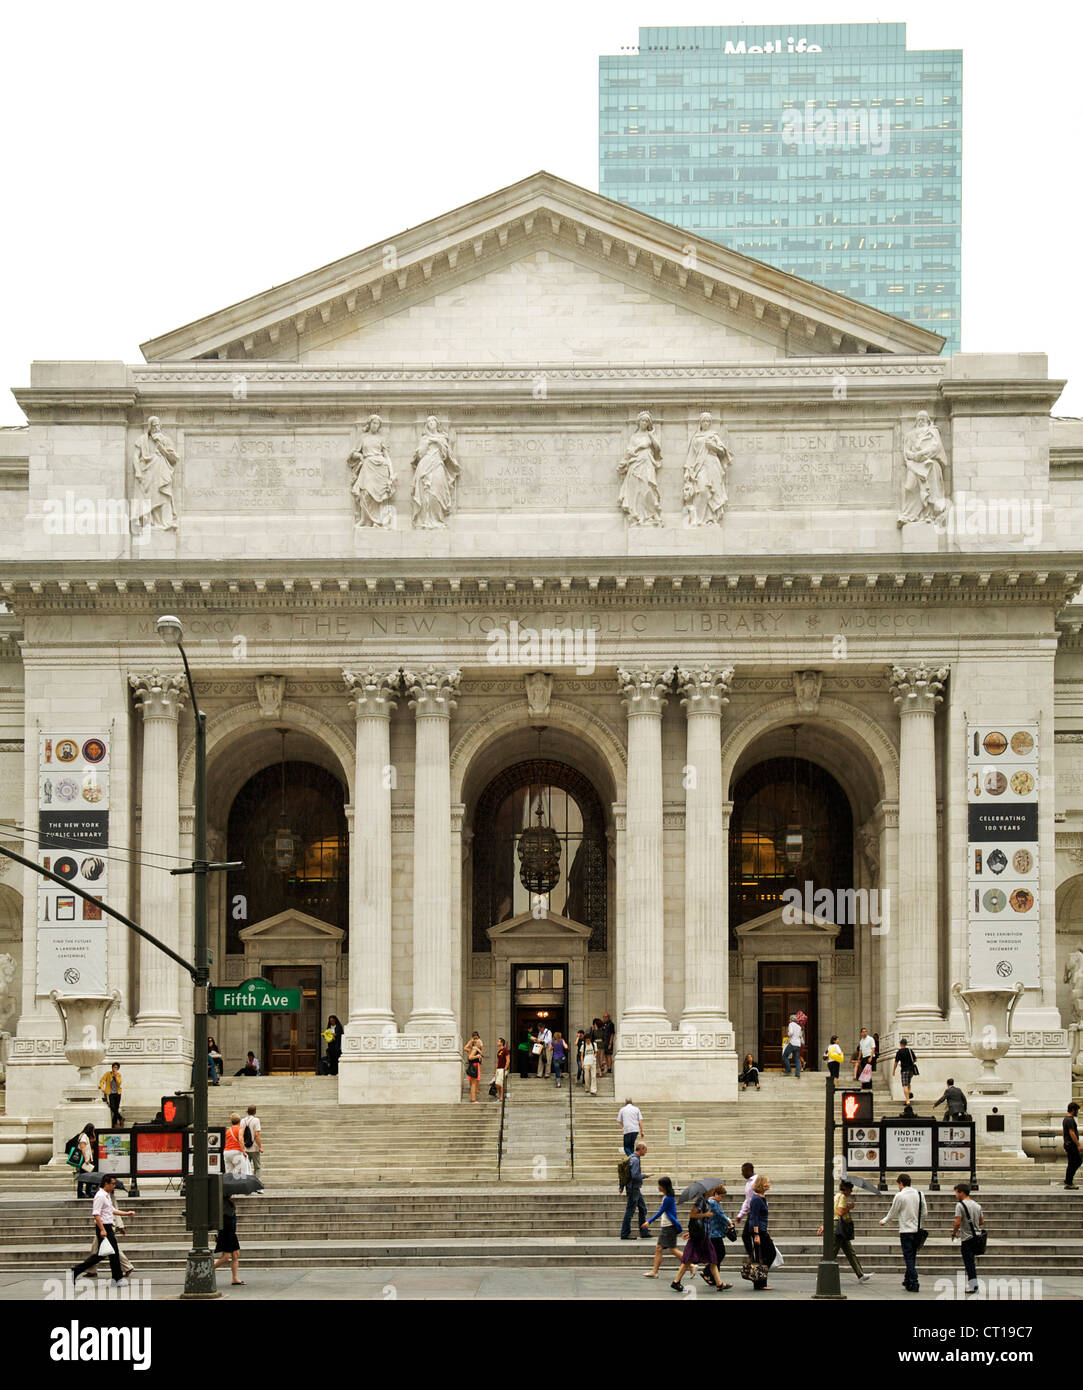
[748,1172]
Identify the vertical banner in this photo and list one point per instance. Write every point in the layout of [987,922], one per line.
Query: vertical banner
[73,833]
[1002,853]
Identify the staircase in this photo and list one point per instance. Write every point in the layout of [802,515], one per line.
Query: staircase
[537,1131]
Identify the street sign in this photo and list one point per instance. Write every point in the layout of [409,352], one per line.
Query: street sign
[676,1134]
[255,997]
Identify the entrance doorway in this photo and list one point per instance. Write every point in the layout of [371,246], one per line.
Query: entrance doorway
[291,1041]
[539,999]
[785,988]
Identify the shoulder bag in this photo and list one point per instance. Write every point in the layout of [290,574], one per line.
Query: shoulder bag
[978,1234]
[922,1234]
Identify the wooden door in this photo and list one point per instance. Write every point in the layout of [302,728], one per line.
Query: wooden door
[785,988]
[291,1041]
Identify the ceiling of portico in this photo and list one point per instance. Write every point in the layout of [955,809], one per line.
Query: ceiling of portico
[823,743]
[230,765]
[521,744]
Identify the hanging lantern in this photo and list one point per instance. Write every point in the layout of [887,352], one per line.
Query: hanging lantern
[791,843]
[539,855]
[282,849]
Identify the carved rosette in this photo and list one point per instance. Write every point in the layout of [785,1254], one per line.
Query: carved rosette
[433,692]
[158,696]
[370,693]
[705,689]
[643,691]
[918,689]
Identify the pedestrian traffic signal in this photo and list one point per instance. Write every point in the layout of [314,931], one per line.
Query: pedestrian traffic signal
[857,1107]
[177,1109]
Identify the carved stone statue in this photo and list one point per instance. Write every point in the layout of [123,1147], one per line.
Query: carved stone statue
[806,690]
[639,496]
[1073,977]
[436,473]
[539,691]
[923,496]
[373,477]
[9,996]
[154,461]
[705,467]
[269,693]
[869,843]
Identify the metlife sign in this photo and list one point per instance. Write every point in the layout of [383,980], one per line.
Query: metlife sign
[737,47]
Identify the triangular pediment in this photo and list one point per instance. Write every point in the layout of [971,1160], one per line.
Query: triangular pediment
[608,282]
[526,924]
[291,926]
[788,921]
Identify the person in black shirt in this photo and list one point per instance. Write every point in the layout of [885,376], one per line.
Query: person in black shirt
[1071,1144]
[905,1060]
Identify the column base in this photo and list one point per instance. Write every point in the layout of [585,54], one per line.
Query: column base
[389,1068]
[691,1064]
[442,1023]
[916,1016]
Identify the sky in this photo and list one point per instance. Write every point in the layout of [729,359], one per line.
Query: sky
[163,161]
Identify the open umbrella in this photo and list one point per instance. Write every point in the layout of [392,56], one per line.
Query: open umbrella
[862,1184]
[96,1180]
[700,1188]
[234,1186]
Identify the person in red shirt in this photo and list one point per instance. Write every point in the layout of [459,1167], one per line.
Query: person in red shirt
[503,1062]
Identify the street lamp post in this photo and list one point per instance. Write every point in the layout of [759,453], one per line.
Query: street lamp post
[199,1280]
[828,1284]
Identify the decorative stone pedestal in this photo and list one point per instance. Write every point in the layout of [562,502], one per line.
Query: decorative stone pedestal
[675,1066]
[985,1104]
[400,1069]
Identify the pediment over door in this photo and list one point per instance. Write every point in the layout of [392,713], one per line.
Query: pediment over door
[552,926]
[790,923]
[291,926]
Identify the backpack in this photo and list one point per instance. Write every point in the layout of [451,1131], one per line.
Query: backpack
[624,1171]
[249,1138]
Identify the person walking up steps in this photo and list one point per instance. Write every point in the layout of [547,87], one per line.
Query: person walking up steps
[630,1119]
[795,1040]
[1073,1152]
[253,1139]
[560,1054]
[844,1228]
[968,1216]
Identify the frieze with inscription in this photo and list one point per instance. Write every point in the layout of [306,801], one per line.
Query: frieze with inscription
[813,467]
[295,471]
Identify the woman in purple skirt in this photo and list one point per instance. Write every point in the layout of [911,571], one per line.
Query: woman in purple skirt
[698,1249]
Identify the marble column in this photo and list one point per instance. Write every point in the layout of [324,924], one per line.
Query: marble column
[161,698]
[433,695]
[704,692]
[370,698]
[917,691]
[641,948]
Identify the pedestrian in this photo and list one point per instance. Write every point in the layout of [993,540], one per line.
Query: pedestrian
[214,1062]
[126,1266]
[630,1119]
[698,1248]
[633,1187]
[955,1100]
[253,1140]
[909,1208]
[105,1223]
[88,1139]
[1074,1153]
[526,1052]
[968,1215]
[908,1064]
[227,1247]
[865,1052]
[580,1039]
[835,1059]
[596,1037]
[609,1030]
[750,1073]
[668,1231]
[111,1085]
[748,1172]
[475,1053]
[844,1228]
[503,1064]
[719,1229]
[332,1036]
[560,1053]
[250,1068]
[236,1159]
[590,1066]
[763,1247]
[795,1040]
[543,1038]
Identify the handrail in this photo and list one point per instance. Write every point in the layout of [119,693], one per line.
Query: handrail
[500,1136]
[571,1117]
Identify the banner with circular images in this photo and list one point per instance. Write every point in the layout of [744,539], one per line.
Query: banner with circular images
[73,835]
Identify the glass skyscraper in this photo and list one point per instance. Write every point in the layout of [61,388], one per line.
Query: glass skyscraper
[829,151]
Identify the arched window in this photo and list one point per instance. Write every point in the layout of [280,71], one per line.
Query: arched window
[763,802]
[570,807]
[319,884]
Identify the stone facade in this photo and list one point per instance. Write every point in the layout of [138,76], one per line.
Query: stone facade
[527,334]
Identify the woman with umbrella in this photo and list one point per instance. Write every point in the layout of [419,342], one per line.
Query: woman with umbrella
[698,1249]
[227,1247]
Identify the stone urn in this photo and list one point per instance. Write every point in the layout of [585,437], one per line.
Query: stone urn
[989,1025]
[84,1018]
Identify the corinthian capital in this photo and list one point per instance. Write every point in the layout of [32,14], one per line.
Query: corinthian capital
[370,692]
[159,696]
[434,691]
[643,691]
[705,689]
[917,689]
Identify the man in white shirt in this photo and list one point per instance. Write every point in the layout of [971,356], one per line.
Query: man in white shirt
[630,1118]
[866,1051]
[748,1172]
[544,1035]
[254,1129]
[794,1042]
[104,1219]
[909,1207]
